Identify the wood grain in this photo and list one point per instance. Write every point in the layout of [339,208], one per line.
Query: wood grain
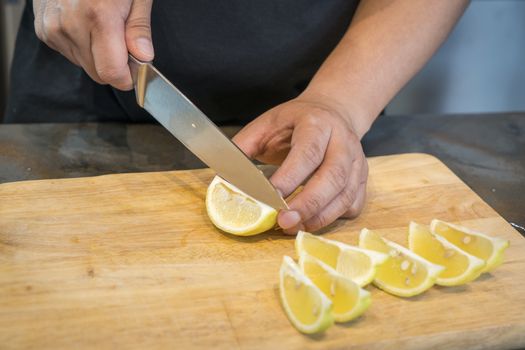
[132,261]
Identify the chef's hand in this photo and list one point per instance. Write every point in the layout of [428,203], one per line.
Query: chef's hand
[97,35]
[310,137]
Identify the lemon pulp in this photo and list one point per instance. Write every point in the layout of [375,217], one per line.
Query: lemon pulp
[235,209]
[235,212]
[404,273]
[349,300]
[460,267]
[307,308]
[482,246]
[352,262]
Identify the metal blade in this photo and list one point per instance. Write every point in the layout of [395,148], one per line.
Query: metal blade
[199,134]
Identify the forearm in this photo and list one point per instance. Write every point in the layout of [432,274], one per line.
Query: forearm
[387,43]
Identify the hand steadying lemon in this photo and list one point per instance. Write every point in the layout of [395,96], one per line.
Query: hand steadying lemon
[310,137]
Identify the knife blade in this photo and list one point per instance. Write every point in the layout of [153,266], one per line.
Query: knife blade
[200,135]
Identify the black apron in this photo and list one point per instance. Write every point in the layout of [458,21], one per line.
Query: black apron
[234,59]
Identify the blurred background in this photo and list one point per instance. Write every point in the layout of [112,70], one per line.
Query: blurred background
[481,68]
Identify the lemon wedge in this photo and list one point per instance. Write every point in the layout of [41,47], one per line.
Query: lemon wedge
[359,265]
[235,212]
[460,267]
[488,248]
[307,308]
[405,273]
[349,300]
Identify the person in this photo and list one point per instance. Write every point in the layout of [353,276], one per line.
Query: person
[308,77]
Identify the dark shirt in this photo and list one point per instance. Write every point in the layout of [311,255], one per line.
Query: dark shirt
[234,59]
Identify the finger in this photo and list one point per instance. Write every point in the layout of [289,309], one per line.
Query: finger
[248,139]
[338,208]
[80,42]
[294,230]
[110,54]
[332,213]
[263,141]
[67,50]
[138,30]
[308,147]
[38,11]
[48,28]
[327,183]
[359,203]
[62,33]
[85,58]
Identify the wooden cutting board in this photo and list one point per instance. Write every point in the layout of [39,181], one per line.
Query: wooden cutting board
[132,261]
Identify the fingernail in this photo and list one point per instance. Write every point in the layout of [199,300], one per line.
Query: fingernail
[145,47]
[289,219]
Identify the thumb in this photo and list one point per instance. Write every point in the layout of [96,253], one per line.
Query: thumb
[138,30]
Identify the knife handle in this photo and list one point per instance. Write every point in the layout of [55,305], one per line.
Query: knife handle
[139,71]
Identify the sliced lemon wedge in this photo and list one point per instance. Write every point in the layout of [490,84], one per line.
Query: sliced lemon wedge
[405,273]
[460,266]
[349,300]
[307,308]
[359,265]
[480,245]
[235,212]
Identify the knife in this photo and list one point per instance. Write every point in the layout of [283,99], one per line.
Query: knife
[199,134]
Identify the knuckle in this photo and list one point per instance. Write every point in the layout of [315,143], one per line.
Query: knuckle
[316,117]
[95,14]
[286,183]
[353,212]
[111,74]
[313,153]
[316,223]
[139,24]
[51,29]
[53,25]
[313,204]
[68,27]
[348,198]
[337,175]
[39,32]
[324,114]
[312,118]
[327,112]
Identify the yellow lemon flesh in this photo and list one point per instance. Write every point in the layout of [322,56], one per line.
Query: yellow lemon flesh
[349,300]
[489,249]
[460,267]
[359,265]
[235,212]
[307,308]
[405,273]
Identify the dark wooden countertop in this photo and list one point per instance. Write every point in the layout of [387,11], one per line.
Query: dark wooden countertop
[486,151]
